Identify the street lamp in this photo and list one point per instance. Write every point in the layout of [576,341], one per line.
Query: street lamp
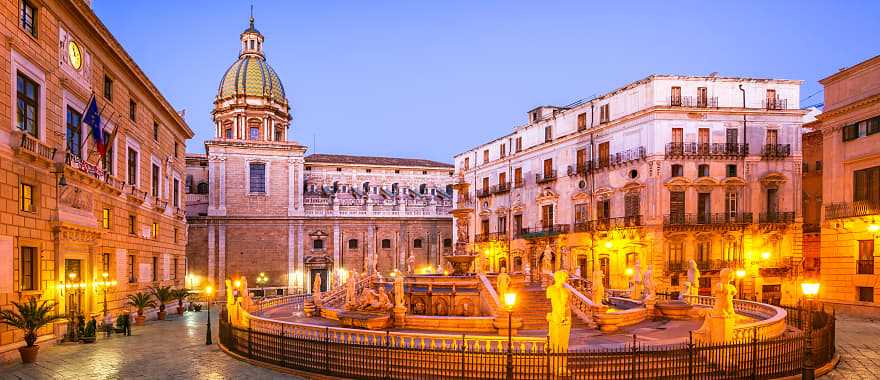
[262,279]
[509,302]
[105,286]
[810,288]
[740,274]
[209,295]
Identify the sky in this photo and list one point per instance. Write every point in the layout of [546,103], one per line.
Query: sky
[430,79]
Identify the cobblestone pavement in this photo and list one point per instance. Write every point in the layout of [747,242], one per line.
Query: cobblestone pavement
[858,343]
[173,349]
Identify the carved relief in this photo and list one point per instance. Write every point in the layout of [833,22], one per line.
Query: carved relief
[77,198]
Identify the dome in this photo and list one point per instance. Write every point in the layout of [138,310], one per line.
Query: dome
[251,75]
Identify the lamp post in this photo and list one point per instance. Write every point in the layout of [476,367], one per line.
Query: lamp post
[262,279]
[105,286]
[509,302]
[209,295]
[740,274]
[810,288]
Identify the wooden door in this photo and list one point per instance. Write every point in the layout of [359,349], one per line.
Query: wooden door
[604,153]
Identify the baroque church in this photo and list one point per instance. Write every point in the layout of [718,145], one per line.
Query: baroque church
[257,203]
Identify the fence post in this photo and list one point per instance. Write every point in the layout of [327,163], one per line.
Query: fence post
[327,349]
[547,350]
[250,340]
[634,352]
[387,354]
[690,355]
[754,353]
[463,346]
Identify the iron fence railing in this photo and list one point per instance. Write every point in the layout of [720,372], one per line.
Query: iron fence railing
[865,266]
[545,177]
[776,217]
[703,150]
[543,231]
[611,161]
[500,188]
[771,151]
[775,103]
[841,210]
[707,219]
[607,224]
[693,101]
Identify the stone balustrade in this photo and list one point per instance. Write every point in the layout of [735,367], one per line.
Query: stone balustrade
[770,320]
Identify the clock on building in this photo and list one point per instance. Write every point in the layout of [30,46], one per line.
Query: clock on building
[74,55]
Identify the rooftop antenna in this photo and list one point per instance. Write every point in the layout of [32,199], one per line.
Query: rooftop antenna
[315,142]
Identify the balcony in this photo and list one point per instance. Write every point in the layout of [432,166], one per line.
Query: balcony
[705,150]
[776,151]
[776,217]
[706,221]
[775,103]
[693,101]
[94,173]
[613,160]
[159,204]
[482,193]
[543,231]
[490,237]
[500,188]
[31,146]
[519,184]
[712,265]
[608,224]
[851,209]
[135,195]
[676,266]
[545,177]
[865,266]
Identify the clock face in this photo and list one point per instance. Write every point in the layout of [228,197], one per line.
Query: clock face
[74,55]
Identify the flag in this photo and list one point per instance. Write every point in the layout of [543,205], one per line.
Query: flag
[92,118]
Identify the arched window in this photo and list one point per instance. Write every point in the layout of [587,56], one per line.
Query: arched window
[202,188]
[318,244]
[386,243]
[394,188]
[254,129]
[417,243]
[366,187]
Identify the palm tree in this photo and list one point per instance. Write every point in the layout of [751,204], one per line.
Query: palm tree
[30,317]
[140,300]
[163,295]
[181,294]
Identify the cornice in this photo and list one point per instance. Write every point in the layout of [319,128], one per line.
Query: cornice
[826,115]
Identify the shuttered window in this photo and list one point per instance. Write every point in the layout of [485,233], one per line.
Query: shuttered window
[258,177]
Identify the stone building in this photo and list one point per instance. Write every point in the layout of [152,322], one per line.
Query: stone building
[850,129]
[812,197]
[256,203]
[67,217]
[658,172]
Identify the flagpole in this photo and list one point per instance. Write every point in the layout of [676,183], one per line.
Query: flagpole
[85,112]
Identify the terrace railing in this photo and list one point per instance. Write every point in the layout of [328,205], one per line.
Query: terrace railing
[842,210]
[705,150]
[776,151]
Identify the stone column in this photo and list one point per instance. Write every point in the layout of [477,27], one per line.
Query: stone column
[371,242]
[291,256]
[221,258]
[336,248]
[300,255]
[211,254]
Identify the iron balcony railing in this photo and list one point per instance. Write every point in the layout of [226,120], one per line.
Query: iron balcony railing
[703,150]
[775,103]
[545,177]
[501,188]
[707,219]
[613,160]
[865,266]
[487,237]
[482,193]
[776,217]
[519,184]
[693,101]
[543,231]
[851,209]
[676,266]
[776,151]
[607,224]
[719,264]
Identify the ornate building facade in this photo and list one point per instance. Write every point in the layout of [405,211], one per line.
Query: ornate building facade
[257,204]
[75,225]
[850,219]
[659,172]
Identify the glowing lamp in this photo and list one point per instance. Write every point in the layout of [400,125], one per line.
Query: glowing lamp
[810,288]
[509,300]
[105,275]
[609,244]
[765,255]
[740,273]
[873,227]
[237,283]
[209,289]
[72,275]
[628,271]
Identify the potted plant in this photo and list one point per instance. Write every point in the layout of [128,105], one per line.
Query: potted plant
[29,316]
[90,332]
[163,295]
[140,300]
[121,321]
[197,307]
[181,294]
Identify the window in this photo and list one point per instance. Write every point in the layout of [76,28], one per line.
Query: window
[28,268]
[174,269]
[318,244]
[155,131]
[386,243]
[258,177]
[703,139]
[604,113]
[517,177]
[131,264]
[730,201]
[502,224]
[731,170]
[603,209]
[278,135]
[485,155]
[202,188]
[865,293]
[819,165]
[702,97]
[155,269]
[155,180]
[484,226]
[866,257]
[74,132]
[704,249]
[154,230]
[175,198]
[850,132]
[132,167]
[417,243]
[107,159]
[580,213]
[132,224]
[772,201]
[105,263]
[805,167]
[772,137]
[108,88]
[175,234]
[518,144]
[26,197]
[604,154]
[132,110]
[352,244]
[548,133]
[27,99]
[675,96]
[467,164]
[866,185]
[447,243]
[228,133]
[502,150]
[873,126]
[677,135]
[547,216]
[676,252]
[106,216]
[677,170]
[548,168]
[254,133]
[704,208]
[581,160]
[502,180]
[27,15]
[703,170]
[517,223]
[582,121]
[485,185]
[676,206]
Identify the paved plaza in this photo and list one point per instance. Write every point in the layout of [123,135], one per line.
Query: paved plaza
[175,349]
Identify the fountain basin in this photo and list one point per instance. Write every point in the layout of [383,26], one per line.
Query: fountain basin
[674,309]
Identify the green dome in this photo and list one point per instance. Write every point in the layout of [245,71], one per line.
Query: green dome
[250,75]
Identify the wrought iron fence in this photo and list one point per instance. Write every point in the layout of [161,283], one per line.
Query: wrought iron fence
[776,217]
[776,150]
[545,177]
[543,231]
[752,357]
[702,150]
[865,266]
[851,209]
[607,224]
[707,219]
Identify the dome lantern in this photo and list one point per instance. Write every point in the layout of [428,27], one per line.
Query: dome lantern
[251,39]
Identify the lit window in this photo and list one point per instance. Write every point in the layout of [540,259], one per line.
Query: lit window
[26,197]
[28,17]
[154,230]
[106,215]
[29,266]
[27,94]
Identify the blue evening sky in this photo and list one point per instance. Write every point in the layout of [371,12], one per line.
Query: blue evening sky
[430,79]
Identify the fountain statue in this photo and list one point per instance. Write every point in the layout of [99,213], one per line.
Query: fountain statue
[398,292]
[598,286]
[350,292]
[648,283]
[559,318]
[719,322]
[685,290]
[636,285]
[316,290]
[411,264]
[693,278]
[503,282]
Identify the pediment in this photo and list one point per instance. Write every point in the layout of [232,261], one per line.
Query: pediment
[773,179]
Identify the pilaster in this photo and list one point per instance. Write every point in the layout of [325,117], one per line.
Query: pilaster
[221,258]
[291,256]
[211,254]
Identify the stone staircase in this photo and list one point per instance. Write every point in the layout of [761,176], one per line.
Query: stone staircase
[533,307]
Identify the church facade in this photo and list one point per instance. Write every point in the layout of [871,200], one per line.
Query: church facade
[256,203]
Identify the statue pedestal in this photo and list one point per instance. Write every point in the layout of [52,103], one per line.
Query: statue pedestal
[399,316]
[500,322]
[309,308]
[716,329]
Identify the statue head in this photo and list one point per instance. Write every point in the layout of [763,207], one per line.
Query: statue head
[504,270]
[692,264]
[560,277]
[725,276]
